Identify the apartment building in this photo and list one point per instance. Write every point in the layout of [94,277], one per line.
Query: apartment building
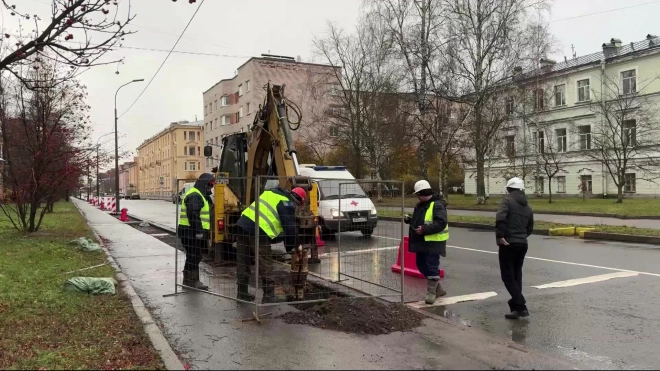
[230,104]
[133,174]
[588,113]
[127,181]
[170,158]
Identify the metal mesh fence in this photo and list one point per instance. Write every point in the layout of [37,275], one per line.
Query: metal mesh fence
[332,244]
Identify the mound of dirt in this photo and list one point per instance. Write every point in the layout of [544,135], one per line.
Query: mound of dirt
[357,315]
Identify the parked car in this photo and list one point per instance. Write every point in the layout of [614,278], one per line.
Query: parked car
[176,198]
[132,194]
[122,195]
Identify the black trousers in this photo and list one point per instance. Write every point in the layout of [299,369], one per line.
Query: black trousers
[194,248]
[511,263]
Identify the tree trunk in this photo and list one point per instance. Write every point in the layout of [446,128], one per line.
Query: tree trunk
[481,187]
[549,190]
[619,195]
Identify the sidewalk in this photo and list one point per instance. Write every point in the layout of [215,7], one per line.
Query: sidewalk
[564,219]
[208,330]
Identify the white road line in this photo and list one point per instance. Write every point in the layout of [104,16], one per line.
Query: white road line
[582,281]
[160,234]
[351,252]
[563,262]
[454,299]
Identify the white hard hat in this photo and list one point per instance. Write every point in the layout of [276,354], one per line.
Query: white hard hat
[421,185]
[516,183]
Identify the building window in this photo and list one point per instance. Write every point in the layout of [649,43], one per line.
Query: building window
[539,141]
[224,120]
[191,136]
[237,117]
[247,106]
[206,127]
[561,184]
[224,101]
[240,112]
[510,145]
[190,151]
[199,152]
[538,99]
[247,86]
[560,95]
[538,184]
[561,140]
[185,135]
[452,114]
[240,90]
[630,133]
[629,81]
[509,105]
[190,166]
[215,105]
[629,185]
[334,132]
[334,91]
[585,137]
[587,183]
[583,90]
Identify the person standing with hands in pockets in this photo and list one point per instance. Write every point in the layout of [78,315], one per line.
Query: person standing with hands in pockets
[513,224]
[427,237]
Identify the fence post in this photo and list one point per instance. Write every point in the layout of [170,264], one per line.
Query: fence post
[177,210]
[403,246]
[339,236]
[257,233]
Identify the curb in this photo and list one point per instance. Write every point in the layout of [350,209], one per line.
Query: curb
[587,232]
[158,340]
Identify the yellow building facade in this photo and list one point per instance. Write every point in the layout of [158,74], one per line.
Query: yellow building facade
[170,158]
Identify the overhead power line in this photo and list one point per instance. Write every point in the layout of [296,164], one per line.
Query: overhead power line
[166,58]
[605,11]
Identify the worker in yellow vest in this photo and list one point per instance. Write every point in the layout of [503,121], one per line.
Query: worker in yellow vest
[277,222]
[428,235]
[194,227]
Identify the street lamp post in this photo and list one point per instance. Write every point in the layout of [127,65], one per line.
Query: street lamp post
[117,148]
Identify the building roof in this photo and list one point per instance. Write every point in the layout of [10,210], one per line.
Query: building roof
[613,52]
[198,123]
[271,58]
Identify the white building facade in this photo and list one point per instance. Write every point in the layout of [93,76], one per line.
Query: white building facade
[580,120]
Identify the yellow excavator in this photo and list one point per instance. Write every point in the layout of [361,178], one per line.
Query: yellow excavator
[263,157]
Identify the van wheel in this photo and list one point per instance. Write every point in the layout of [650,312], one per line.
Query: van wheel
[367,232]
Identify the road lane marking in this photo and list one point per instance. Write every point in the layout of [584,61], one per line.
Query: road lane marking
[351,252]
[582,281]
[454,299]
[563,262]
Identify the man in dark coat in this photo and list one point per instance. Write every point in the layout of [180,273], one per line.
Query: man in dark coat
[514,223]
[194,227]
[427,237]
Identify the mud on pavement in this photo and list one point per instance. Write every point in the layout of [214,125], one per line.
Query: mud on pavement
[366,316]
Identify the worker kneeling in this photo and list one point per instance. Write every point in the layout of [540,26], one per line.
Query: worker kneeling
[277,221]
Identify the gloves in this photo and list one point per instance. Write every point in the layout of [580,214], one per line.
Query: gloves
[199,236]
[407,219]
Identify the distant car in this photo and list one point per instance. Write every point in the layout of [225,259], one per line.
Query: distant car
[122,195]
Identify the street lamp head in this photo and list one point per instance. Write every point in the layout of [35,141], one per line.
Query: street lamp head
[138,80]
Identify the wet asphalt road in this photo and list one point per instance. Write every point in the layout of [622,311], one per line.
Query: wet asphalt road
[613,324]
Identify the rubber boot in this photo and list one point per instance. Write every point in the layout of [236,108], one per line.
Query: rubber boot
[196,283]
[518,313]
[187,280]
[439,291]
[269,293]
[432,286]
[243,292]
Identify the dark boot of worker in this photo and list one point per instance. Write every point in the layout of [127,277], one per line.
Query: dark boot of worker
[431,289]
[439,291]
[269,293]
[520,312]
[187,280]
[243,292]
[194,281]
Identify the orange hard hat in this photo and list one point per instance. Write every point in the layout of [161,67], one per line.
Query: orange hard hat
[299,194]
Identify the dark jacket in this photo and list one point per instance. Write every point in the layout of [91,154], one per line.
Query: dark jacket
[515,219]
[286,210]
[416,242]
[194,205]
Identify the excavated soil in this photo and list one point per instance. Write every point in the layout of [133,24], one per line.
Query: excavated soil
[357,315]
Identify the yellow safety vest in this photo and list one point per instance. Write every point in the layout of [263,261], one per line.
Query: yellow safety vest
[204,215]
[428,219]
[269,220]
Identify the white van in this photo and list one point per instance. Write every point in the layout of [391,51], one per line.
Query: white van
[358,213]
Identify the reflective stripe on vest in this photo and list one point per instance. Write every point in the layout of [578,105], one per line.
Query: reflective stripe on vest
[269,220]
[204,215]
[437,237]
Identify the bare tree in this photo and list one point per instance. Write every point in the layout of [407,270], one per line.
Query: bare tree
[625,136]
[481,53]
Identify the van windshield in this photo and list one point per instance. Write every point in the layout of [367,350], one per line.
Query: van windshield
[349,189]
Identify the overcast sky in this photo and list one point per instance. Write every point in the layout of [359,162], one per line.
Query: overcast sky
[235,30]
